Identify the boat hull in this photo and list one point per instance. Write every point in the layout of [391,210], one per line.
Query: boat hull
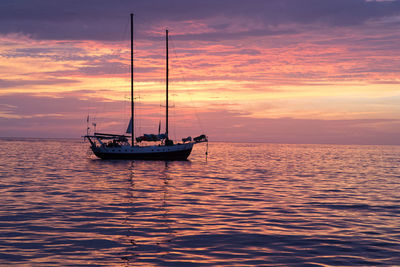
[138,153]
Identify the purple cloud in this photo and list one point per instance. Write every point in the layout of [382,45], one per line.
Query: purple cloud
[100,19]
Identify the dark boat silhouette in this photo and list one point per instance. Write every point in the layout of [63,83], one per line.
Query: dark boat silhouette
[113,146]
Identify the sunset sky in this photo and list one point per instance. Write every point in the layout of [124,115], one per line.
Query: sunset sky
[287,71]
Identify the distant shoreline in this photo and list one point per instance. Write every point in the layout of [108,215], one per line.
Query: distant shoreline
[7,138]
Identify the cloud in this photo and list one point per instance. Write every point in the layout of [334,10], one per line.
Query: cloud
[223,125]
[8,83]
[55,51]
[32,105]
[101,19]
[223,35]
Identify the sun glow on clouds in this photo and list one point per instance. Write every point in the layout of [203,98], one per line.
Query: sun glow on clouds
[243,71]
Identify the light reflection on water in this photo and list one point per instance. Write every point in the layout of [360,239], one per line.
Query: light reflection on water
[248,204]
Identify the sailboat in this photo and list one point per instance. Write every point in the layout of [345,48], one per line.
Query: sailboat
[146,147]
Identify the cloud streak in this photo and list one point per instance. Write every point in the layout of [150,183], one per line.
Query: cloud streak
[8,83]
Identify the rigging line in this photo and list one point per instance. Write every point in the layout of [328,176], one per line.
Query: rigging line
[138,105]
[174,118]
[92,107]
[172,105]
[185,81]
[123,42]
[160,110]
[173,98]
[126,99]
[100,110]
[161,100]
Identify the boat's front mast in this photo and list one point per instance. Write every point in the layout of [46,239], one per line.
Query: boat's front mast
[132,107]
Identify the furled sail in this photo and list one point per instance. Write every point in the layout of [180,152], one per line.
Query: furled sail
[151,137]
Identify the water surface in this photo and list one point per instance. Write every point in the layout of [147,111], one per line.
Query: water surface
[246,205]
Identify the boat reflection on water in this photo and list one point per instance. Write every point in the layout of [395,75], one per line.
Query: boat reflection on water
[155,236]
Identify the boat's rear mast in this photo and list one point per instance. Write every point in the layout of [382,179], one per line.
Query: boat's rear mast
[132,107]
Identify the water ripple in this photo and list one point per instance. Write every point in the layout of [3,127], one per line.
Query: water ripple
[247,205]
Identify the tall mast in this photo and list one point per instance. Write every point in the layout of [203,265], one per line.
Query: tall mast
[132,110]
[166,81]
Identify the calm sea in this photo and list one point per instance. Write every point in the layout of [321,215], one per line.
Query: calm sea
[246,205]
